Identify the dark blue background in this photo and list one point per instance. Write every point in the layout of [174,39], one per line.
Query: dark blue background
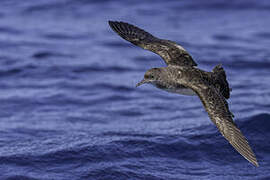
[69,108]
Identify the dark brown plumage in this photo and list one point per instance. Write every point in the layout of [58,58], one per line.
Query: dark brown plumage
[172,53]
[218,111]
[181,76]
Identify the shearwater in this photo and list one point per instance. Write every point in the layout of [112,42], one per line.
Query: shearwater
[183,77]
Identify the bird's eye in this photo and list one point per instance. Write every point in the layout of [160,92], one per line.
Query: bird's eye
[149,77]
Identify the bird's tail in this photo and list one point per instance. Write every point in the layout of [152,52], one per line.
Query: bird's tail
[221,82]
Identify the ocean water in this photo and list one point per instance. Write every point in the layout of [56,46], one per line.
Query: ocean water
[70,110]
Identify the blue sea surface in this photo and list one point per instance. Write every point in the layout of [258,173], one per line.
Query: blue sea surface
[69,107]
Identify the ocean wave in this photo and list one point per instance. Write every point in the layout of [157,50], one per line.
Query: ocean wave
[126,155]
[190,145]
[50,54]
[69,109]
[223,5]
[10,30]
[21,177]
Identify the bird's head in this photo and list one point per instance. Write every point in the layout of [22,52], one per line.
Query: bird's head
[151,76]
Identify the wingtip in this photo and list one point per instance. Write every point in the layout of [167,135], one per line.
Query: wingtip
[110,22]
[115,24]
[252,159]
[255,163]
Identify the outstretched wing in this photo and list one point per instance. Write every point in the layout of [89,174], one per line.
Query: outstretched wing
[172,53]
[217,108]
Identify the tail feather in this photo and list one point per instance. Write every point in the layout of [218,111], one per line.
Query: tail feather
[221,81]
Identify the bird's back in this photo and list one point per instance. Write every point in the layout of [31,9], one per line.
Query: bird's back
[216,78]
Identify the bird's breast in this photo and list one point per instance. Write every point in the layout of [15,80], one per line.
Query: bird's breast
[183,91]
[179,89]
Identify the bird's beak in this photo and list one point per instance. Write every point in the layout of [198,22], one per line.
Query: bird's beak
[141,82]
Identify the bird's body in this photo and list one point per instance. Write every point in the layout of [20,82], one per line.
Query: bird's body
[170,79]
[178,89]
[183,77]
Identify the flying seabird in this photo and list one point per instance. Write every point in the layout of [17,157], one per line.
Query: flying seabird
[183,77]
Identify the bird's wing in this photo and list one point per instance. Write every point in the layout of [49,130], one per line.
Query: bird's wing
[217,108]
[172,53]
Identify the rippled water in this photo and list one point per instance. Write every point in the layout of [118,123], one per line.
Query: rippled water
[70,110]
